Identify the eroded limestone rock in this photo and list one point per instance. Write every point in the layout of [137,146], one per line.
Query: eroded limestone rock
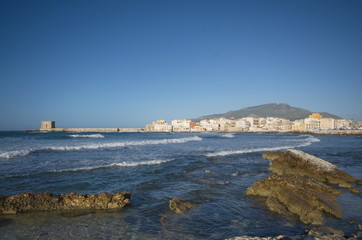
[298,186]
[295,162]
[302,196]
[31,202]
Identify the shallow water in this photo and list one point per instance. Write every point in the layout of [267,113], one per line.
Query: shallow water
[156,167]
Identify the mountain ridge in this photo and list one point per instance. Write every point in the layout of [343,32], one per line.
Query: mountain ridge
[280,110]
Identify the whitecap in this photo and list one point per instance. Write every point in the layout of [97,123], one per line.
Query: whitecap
[303,143]
[90,168]
[228,135]
[16,153]
[90,146]
[86,136]
[120,164]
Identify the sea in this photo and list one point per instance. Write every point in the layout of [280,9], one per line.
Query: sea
[212,170]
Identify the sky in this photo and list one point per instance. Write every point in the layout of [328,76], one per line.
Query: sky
[128,63]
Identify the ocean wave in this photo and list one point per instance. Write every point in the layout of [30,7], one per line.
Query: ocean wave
[86,136]
[92,146]
[90,168]
[303,143]
[16,153]
[228,135]
[112,165]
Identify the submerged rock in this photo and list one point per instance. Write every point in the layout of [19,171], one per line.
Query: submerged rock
[319,233]
[31,202]
[326,233]
[180,206]
[259,238]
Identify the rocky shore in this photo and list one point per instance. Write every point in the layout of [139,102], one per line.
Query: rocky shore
[300,185]
[31,202]
[303,185]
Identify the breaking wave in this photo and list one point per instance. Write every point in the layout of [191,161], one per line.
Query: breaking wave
[228,135]
[87,136]
[121,164]
[92,146]
[90,168]
[303,143]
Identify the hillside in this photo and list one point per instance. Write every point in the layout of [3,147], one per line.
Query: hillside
[280,110]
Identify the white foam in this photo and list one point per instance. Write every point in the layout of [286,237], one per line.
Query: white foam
[121,164]
[24,152]
[16,153]
[87,136]
[228,135]
[303,143]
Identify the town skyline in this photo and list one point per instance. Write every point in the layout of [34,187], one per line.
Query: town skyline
[51,123]
[126,63]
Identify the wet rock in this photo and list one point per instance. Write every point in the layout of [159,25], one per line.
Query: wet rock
[260,238]
[298,186]
[326,233]
[30,202]
[302,196]
[180,206]
[295,162]
[355,191]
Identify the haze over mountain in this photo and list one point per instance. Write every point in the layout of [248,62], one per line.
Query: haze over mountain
[280,110]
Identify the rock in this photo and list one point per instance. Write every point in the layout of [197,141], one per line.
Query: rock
[355,191]
[30,202]
[360,227]
[260,238]
[298,186]
[302,196]
[180,206]
[295,162]
[326,233]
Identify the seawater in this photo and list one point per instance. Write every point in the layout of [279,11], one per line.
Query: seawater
[156,167]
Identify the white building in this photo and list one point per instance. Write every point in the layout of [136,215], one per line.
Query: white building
[242,124]
[327,123]
[343,124]
[206,125]
[181,125]
[312,123]
[159,126]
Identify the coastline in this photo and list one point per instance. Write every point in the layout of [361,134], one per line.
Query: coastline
[351,132]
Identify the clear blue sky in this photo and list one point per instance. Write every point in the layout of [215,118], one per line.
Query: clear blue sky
[127,63]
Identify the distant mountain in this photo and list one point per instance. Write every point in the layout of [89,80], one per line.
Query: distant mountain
[280,110]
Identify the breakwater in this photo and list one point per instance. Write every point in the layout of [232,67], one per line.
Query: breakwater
[93,130]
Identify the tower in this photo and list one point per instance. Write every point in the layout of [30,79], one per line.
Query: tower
[46,125]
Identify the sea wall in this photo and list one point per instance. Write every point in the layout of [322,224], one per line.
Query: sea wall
[93,130]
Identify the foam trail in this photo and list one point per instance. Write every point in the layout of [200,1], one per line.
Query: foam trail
[24,152]
[87,136]
[309,140]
